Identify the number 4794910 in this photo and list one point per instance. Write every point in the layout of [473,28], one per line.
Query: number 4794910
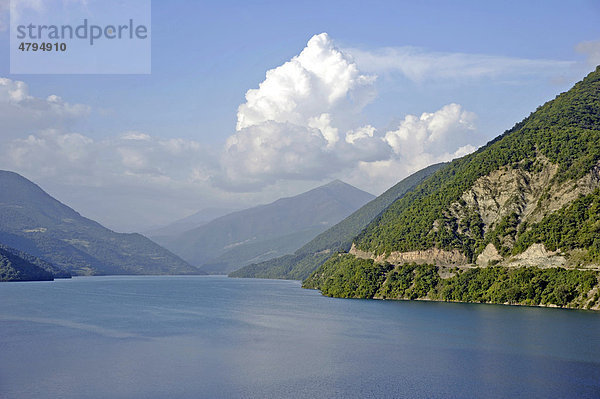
[46,46]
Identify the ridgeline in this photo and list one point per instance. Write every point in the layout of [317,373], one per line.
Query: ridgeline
[515,222]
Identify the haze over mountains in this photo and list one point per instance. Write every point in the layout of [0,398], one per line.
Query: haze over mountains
[177,227]
[34,222]
[267,231]
[517,221]
[337,238]
[35,226]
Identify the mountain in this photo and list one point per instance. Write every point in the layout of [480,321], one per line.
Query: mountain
[337,238]
[188,223]
[266,231]
[491,223]
[34,222]
[54,271]
[15,268]
[17,265]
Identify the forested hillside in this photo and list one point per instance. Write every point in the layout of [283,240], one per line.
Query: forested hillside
[559,144]
[529,198]
[17,265]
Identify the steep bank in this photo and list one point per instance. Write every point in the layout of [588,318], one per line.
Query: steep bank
[525,206]
[345,276]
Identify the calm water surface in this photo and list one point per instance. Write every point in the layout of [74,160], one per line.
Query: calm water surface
[214,337]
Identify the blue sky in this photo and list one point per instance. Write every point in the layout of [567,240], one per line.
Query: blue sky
[495,61]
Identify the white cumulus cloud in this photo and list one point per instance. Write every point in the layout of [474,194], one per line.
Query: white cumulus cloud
[417,142]
[432,132]
[290,127]
[299,124]
[271,151]
[318,80]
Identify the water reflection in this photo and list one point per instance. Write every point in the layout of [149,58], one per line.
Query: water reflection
[193,337]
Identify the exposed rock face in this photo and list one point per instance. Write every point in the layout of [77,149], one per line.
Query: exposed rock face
[537,255]
[512,190]
[561,195]
[360,254]
[505,191]
[489,254]
[433,256]
[529,193]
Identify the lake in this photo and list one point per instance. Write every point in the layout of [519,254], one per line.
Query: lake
[215,337]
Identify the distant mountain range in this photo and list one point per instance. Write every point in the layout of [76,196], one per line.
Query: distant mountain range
[188,223]
[34,222]
[337,238]
[267,231]
[517,221]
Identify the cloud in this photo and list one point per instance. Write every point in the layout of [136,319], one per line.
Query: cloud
[22,113]
[417,142]
[321,79]
[591,49]
[128,180]
[300,125]
[421,65]
[432,133]
[271,151]
[82,160]
[290,127]
[303,124]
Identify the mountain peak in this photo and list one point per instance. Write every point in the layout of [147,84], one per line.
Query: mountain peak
[266,231]
[336,182]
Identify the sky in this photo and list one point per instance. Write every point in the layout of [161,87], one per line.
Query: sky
[250,101]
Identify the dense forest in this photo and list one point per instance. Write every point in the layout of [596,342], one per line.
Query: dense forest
[564,131]
[17,265]
[550,165]
[344,276]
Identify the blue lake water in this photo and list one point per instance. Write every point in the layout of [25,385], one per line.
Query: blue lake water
[214,337]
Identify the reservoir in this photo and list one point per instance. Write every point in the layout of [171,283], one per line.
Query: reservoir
[216,337]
